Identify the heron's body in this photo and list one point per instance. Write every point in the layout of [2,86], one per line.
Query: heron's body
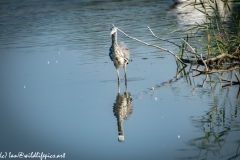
[118,53]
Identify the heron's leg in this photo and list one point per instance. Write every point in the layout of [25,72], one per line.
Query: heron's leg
[125,72]
[126,87]
[118,87]
[118,75]
[125,75]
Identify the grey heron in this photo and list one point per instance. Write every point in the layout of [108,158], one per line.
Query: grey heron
[118,53]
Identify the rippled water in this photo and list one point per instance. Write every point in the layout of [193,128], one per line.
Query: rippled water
[59,91]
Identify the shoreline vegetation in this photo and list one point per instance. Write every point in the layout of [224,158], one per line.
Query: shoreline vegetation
[222,46]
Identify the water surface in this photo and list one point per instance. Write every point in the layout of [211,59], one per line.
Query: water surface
[59,87]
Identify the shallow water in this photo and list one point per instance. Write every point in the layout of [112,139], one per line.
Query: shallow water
[59,87]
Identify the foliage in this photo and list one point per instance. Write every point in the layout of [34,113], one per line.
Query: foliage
[221,30]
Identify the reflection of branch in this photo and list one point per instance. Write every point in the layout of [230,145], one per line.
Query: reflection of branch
[238,95]
[228,85]
[154,46]
[232,67]
[174,79]
[231,82]
[204,80]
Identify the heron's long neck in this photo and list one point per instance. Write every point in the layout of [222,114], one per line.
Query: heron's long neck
[120,128]
[114,38]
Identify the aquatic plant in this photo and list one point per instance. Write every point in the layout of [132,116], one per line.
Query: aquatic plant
[222,44]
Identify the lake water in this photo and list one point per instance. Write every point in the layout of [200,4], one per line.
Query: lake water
[59,90]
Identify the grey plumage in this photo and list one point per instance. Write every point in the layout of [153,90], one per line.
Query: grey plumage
[122,109]
[118,53]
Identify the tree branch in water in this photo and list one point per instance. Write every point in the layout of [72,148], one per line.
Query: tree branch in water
[179,59]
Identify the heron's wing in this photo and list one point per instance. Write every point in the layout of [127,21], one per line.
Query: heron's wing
[124,49]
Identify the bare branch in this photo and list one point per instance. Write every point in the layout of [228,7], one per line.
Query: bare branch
[204,62]
[171,42]
[154,46]
[193,51]
[224,55]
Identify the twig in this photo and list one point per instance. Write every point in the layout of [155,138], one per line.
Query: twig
[223,56]
[154,46]
[232,67]
[237,78]
[237,50]
[157,86]
[193,51]
[168,41]
[204,62]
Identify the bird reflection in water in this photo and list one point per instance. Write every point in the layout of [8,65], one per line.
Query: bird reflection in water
[122,109]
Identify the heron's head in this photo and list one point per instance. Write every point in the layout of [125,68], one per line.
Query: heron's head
[113,30]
